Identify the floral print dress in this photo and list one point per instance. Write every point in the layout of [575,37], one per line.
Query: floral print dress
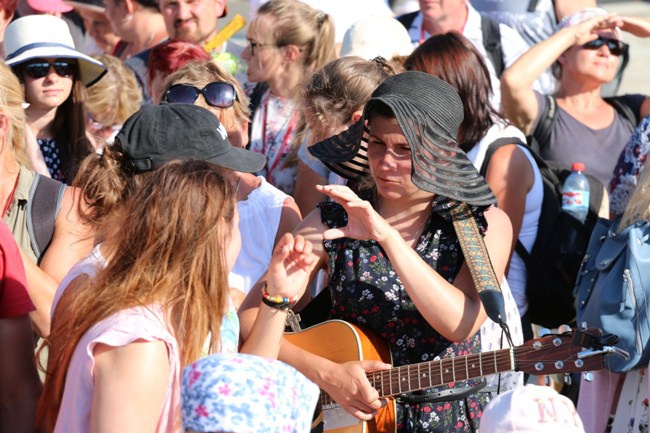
[366,291]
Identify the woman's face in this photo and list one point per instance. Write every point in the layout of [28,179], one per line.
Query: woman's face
[118,16]
[48,92]
[99,28]
[263,58]
[389,156]
[596,64]
[234,240]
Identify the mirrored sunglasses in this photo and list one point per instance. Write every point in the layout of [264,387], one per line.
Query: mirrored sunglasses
[615,46]
[218,94]
[63,68]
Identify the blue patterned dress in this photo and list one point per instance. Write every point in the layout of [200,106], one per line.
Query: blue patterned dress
[366,291]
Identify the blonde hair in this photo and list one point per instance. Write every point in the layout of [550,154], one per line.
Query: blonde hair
[116,96]
[638,208]
[199,73]
[299,24]
[11,100]
[167,247]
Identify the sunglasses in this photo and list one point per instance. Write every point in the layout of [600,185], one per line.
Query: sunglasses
[218,94]
[615,46]
[63,68]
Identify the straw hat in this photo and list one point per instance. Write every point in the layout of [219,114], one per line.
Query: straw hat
[44,36]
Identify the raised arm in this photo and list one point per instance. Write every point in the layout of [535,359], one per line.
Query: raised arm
[345,383]
[454,310]
[518,98]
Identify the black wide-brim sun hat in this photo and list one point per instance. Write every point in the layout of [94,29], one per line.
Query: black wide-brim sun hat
[156,134]
[429,113]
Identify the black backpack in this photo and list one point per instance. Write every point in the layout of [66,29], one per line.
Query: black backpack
[491,38]
[553,263]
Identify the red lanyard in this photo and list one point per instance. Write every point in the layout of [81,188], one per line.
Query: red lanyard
[285,140]
[9,199]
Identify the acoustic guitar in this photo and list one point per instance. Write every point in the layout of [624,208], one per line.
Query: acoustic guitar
[341,341]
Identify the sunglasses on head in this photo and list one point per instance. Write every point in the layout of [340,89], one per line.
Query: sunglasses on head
[615,46]
[218,94]
[39,69]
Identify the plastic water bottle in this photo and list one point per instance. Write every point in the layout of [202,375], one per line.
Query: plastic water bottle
[575,193]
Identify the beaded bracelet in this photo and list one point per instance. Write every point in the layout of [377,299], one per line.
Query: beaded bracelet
[277,302]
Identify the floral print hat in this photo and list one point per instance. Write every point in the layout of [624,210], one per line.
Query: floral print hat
[246,394]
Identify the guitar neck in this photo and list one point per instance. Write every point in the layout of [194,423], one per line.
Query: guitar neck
[415,377]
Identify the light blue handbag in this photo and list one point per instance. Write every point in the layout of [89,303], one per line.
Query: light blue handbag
[613,290]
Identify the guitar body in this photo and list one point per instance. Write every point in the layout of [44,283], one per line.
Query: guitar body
[341,342]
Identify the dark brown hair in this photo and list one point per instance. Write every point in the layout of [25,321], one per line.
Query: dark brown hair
[454,59]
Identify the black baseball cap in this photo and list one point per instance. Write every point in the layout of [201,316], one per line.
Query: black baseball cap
[156,134]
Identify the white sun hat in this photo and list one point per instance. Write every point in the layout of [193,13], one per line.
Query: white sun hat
[45,36]
[376,36]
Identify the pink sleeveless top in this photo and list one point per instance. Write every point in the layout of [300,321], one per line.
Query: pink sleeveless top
[118,330]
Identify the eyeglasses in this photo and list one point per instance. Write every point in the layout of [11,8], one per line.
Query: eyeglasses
[217,94]
[252,45]
[63,68]
[615,46]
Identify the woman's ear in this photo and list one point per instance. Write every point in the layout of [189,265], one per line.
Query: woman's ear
[291,53]
[355,117]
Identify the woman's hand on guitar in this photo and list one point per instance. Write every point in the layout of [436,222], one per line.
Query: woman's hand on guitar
[348,385]
[290,265]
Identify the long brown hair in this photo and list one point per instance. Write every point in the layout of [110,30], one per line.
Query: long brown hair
[69,126]
[452,58]
[167,247]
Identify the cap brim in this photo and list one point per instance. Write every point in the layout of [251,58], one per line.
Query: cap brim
[84,5]
[240,160]
[90,70]
[346,153]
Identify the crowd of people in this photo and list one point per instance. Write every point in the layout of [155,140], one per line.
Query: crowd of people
[173,204]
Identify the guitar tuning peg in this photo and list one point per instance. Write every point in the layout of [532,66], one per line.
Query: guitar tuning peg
[544,332]
[563,329]
[588,376]
[567,379]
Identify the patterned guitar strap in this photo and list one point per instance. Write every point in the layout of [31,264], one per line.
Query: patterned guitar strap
[480,266]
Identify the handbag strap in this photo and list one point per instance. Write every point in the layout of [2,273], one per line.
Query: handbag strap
[478,261]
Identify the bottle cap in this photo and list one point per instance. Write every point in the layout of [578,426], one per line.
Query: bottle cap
[577,166]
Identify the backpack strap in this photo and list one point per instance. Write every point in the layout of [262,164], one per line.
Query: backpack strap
[627,106]
[44,204]
[254,102]
[493,147]
[407,19]
[492,43]
[542,132]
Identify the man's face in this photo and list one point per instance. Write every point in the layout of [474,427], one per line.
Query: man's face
[192,20]
[441,9]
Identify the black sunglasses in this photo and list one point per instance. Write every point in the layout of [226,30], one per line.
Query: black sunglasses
[218,94]
[615,46]
[63,68]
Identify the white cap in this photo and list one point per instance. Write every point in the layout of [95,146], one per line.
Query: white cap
[531,409]
[376,36]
